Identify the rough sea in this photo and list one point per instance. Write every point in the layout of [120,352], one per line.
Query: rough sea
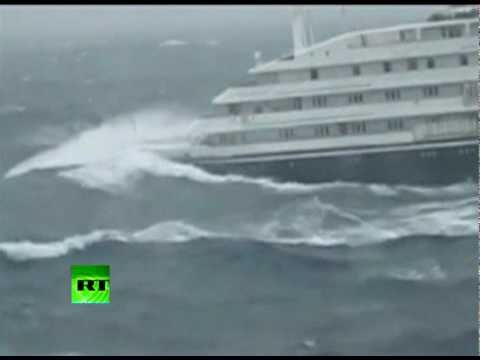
[201,263]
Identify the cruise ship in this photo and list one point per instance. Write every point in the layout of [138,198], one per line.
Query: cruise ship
[395,104]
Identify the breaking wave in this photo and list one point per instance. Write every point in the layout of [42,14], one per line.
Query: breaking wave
[112,140]
[308,222]
[28,250]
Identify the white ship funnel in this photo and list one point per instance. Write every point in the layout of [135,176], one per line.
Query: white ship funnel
[301,29]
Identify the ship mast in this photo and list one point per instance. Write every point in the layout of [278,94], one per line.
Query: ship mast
[302,30]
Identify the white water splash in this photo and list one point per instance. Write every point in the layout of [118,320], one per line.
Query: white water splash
[26,250]
[119,175]
[109,142]
[114,156]
[309,222]
[173,42]
[315,222]
[174,231]
[427,270]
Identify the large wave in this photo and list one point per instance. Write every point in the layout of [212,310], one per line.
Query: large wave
[170,231]
[305,222]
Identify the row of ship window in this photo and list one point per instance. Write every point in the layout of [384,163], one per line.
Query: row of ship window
[412,64]
[298,133]
[390,95]
[356,98]
[312,131]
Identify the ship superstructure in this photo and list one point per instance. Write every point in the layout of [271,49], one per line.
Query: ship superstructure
[343,108]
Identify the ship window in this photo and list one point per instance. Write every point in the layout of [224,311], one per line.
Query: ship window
[402,35]
[243,137]
[363,40]
[412,64]
[468,89]
[430,63]
[444,32]
[228,139]
[223,139]
[463,60]
[355,98]
[474,28]
[451,32]
[258,109]
[455,31]
[392,95]
[395,124]
[343,129]
[359,128]
[387,67]
[286,134]
[234,109]
[356,70]
[313,74]
[211,140]
[322,130]
[297,103]
[430,91]
[319,101]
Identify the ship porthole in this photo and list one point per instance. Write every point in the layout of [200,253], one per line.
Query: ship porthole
[291,164]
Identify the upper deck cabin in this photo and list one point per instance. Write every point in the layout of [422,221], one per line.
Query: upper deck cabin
[455,12]
[340,64]
[366,45]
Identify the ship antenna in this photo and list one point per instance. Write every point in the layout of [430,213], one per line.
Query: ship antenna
[344,22]
[310,23]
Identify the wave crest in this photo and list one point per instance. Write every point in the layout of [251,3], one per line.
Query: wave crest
[309,222]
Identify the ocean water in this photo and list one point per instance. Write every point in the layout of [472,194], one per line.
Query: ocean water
[201,263]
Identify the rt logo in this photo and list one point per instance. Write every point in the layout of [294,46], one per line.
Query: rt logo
[90,284]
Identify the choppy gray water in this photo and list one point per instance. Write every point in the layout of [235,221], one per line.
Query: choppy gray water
[200,263]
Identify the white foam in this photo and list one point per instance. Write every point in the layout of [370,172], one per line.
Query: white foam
[173,231]
[108,141]
[173,42]
[315,222]
[425,271]
[307,221]
[169,231]
[26,250]
[118,173]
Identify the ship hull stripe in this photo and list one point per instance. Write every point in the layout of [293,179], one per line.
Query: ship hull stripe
[292,155]
[420,166]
